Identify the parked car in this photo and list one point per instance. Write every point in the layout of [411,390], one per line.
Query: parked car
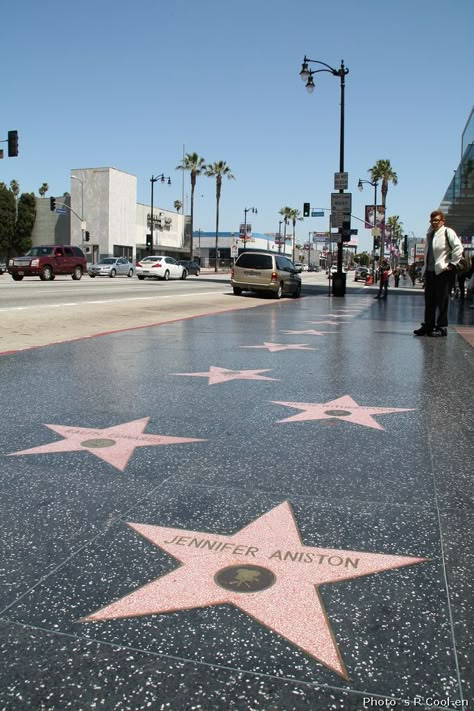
[191,267]
[160,267]
[3,268]
[265,271]
[298,266]
[111,267]
[361,273]
[47,261]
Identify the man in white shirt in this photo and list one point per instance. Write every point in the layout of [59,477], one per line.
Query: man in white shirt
[443,250]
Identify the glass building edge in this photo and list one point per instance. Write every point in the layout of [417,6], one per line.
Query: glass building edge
[458,200]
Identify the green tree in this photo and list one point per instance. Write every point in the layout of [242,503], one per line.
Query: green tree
[219,170]
[7,220]
[382,170]
[195,165]
[178,205]
[43,189]
[25,221]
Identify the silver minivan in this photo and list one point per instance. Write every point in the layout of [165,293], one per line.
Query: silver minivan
[265,271]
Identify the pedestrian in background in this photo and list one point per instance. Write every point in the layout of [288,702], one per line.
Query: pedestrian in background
[443,250]
[384,273]
[396,276]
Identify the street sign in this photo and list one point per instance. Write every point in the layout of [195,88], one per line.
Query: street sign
[341,202]
[61,210]
[317,213]
[341,181]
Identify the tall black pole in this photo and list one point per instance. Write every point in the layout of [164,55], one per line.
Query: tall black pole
[151,215]
[342,74]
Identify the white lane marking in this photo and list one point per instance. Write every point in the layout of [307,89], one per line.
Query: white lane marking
[106,301]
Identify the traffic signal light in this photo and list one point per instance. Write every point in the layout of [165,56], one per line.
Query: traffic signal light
[376,242]
[87,235]
[149,241]
[306,209]
[12,144]
[346,231]
[52,204]
[405,246]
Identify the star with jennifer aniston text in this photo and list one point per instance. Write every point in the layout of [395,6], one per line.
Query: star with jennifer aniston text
[223,375]
[342,408]
[114,445]
[264,569]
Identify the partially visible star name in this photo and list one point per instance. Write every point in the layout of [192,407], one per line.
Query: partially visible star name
[243,550]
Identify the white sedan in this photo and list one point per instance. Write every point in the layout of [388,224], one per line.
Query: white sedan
[160,267]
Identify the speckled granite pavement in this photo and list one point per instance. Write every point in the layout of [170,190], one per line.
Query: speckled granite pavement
[268,509]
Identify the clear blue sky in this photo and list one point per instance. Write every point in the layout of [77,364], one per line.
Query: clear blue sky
[126,84]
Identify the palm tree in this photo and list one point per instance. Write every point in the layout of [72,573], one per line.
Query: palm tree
[395,227]
[219,169]
[15,188]
[178,205]
[382,170]
[285,212]
[294,216]
[195,165]
[43,189]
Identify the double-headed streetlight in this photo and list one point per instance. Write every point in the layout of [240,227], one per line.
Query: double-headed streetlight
[154,179]
[374,184]
[253,211]
[307,76]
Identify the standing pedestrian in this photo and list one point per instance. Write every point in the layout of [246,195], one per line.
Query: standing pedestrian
[396,276]
[443,250]
[384,273]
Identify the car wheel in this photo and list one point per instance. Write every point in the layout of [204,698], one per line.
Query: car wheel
[166,276]
[112,273]
[17,277]
[46,274]
[130,273]
[77,274]
[237,290]
[279,293]
[141,278]
[297,292]
[184,274]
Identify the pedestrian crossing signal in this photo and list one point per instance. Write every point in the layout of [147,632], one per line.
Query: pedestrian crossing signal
[306,209]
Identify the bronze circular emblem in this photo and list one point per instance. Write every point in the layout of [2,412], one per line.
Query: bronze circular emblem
[336,413]
[245,578]
[98,443]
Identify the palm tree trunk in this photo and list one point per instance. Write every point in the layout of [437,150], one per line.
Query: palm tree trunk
[217,231]
[191,244]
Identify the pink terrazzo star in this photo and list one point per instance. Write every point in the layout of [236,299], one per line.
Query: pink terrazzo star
[342,408]
[309,332]
[328,323]
[114,444]
[223,375]
[264,570]
[273,347]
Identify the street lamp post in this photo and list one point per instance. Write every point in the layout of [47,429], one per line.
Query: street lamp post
[75,177]
[306,75]
[253,211]
[154,179]
[280,222]
[374,184]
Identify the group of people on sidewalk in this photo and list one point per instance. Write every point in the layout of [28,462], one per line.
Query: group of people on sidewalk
[443,256]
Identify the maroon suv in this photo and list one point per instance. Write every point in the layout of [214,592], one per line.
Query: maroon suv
[48,261]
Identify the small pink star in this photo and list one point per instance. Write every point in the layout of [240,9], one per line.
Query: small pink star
[274,347]
[223,375]
[309,332]
[342,408]
[114,444]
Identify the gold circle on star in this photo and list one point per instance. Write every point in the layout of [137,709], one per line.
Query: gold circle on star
[245,578]
[98,443]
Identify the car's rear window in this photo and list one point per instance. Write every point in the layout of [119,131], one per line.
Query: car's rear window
[255,261]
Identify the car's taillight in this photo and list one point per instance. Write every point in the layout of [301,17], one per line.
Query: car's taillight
[274,276]
[232,273]
[156,264]
[137,264]
[34,263]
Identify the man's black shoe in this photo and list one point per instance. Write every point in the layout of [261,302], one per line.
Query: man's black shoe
[438,332]
[423,331]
